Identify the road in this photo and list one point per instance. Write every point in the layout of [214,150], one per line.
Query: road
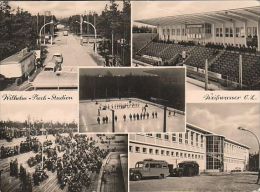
[230,182]
[74,55]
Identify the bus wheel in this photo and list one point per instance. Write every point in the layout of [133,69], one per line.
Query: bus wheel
[137,177]
[162,176]
[18,81]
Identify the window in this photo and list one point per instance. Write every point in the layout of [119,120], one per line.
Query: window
[174,137]
[186,137]
[144,150]
[168,153]
[177,154]
[155,165]
[185,155]
[201,140]
[221,32]
[157,152]
[150,151]
[149,134]
[191,138]
[172,153]
[158,136]
[231,32]
[173,31]
[192,156]
[162,152]
[217,32]
[181,154]
[226,32]
[197,139]
[178,32]
[137,149]
[180,138]
[166,137]
[183,32]
[130,148]
[237,32]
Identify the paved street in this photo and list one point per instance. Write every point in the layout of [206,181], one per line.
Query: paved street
[73,53]
[233,182]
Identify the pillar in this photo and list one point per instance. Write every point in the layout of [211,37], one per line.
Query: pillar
[223,33]
[258,37]
[245,28]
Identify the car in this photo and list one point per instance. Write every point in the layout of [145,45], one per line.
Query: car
[58,57]
[185,168]
[65,33]
[52,65]
[237,169]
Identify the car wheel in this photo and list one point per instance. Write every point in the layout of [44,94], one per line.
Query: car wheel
[137,177]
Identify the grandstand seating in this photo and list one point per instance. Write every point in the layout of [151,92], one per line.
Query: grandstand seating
[198,56]
[226,63]
[141,39]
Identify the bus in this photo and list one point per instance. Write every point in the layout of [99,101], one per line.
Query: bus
[150,168]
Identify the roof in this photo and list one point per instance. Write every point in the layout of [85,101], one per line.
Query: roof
[230,15]
[15,58]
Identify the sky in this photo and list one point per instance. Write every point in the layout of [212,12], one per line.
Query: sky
[61,8]
[152,9]
[224,119]
[56,112]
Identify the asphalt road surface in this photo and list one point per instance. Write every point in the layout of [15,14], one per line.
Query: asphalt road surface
[229,182]
[73,53]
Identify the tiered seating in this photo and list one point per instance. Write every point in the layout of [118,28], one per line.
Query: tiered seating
[154,49]
[141,39]
[198,56]
[172,50]
[228,65]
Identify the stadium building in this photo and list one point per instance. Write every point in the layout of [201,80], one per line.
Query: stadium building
[213,152]
[228,40]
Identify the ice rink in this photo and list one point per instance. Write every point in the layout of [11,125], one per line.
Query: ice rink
[89,112]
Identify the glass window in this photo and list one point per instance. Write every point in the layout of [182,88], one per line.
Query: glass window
[150,151]
[180,138]
[137,149]
[172,153]
[221,32]
[226,32]
[144,150]
[157,151]
[168,153]
[217,32]
[231,32]
[186,137]
[162,152]
[166,137]
[130,148]
[237,31]
[174,137]
[158,136]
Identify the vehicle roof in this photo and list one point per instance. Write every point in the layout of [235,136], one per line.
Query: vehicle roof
[16,58]
[57,54]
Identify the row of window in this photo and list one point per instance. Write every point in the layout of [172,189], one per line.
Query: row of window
[232,148]
[239,32]
[163,152]
[230,160]
[229,32]
[189,137]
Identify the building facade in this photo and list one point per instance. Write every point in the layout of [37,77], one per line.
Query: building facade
[236,27]
[211,151]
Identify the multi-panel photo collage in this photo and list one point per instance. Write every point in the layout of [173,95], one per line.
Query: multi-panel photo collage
[129,96]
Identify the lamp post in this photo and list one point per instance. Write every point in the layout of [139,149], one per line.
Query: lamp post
[95,31]
[41,30]
[243,129]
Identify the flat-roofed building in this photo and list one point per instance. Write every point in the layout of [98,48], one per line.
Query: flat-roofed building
[211,151]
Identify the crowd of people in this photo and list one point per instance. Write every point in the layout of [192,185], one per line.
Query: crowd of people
[76,159]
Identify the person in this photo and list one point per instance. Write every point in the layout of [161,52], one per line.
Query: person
[258,178]
[155,115]
[103,120]
[130,116]
[134,116]
[147,114]
[137,116]
[11,168]
[115,118]
[98,112]
[98,120]
[124,117]
[106,119]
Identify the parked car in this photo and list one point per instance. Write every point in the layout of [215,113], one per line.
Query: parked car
[186,168]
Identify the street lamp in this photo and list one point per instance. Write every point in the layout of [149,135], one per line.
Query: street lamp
[243,129]
[95,31]
[40,33]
